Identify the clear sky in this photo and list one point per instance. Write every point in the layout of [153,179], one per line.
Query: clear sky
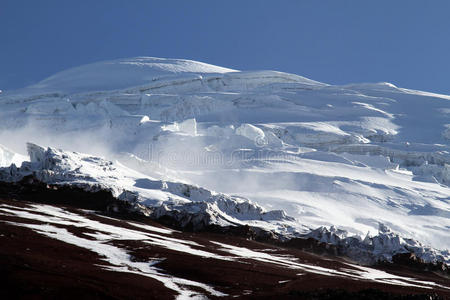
[406,42]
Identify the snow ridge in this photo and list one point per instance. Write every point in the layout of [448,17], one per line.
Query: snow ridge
[381,247]
[187,203]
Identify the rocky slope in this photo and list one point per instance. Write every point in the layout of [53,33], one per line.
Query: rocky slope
[61,251]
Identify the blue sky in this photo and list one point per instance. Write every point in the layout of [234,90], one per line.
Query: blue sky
[404,42]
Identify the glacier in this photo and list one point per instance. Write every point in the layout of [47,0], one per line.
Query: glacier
[262,148]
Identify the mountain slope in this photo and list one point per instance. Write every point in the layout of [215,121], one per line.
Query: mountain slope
[53,251]
[353,156]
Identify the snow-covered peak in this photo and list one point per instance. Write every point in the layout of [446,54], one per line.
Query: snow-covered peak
[352,156]
[122,73]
